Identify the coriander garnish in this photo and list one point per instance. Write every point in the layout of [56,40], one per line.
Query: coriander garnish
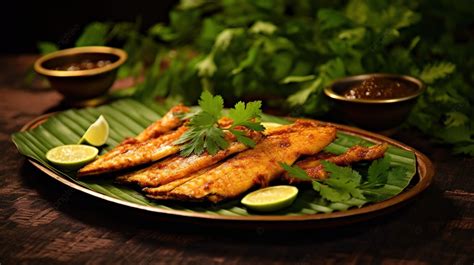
[204,133]
[344,183]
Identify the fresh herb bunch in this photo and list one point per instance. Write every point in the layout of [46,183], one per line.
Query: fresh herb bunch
[204,133]
[345,184]
[286,52]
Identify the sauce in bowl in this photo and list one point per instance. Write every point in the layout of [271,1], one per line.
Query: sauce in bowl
[83,65]
[379,88]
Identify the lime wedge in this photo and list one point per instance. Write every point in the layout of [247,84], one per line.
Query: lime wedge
[72,156]
[271,198]
[270,125]
[97,133]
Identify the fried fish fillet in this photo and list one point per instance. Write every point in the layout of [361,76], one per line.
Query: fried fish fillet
[177,167]
[170,121]
[256,166]
[129,155]
[138,150]
[162,191]
[313,167]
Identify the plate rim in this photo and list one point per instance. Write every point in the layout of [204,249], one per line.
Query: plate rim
[424,169]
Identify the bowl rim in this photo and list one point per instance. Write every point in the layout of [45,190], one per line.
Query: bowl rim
[40,69]
[417,82]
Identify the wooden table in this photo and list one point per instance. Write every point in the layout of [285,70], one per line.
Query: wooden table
[45,222]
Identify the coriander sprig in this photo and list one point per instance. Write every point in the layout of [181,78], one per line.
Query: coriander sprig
[204,133]
[344,183]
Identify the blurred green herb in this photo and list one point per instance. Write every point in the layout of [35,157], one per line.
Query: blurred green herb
[285,52]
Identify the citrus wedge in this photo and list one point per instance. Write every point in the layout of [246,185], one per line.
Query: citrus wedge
[271,198]
[270,125]
[97,133]
[72,156]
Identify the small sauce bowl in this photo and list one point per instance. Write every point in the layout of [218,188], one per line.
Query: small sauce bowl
[373,114]
[77,84]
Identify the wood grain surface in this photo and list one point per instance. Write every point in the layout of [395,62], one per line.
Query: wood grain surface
[45,222]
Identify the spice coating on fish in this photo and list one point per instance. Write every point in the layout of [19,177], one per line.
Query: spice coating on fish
[173,168]
[170,121]
[313,167]
[130,155]
[257,166]
[144,148]
[162,191]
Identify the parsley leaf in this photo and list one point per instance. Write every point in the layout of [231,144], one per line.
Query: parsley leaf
[346,185]
[204,133]
[433,72]
[242,138]
[344,180]
[211,104]
[378,172]
[295,171]
[243,115]
[332,194]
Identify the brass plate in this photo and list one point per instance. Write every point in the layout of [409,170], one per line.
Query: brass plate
[423,179]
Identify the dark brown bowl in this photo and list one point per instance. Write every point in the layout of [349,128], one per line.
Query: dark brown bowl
[373,114]
[81,84]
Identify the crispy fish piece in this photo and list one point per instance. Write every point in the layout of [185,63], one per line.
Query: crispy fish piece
[313,167]
[177,167]
[162,191]
[170,121]
[139,150]
[129,155]
[256,166]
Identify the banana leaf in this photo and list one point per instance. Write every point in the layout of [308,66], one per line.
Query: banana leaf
[128,117]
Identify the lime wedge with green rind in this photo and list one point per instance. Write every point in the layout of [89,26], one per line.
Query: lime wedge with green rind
[271,198]
[270,125]
[97,134]
[72,156]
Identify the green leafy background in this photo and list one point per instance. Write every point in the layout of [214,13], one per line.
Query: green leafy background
[286,51]
[128,117]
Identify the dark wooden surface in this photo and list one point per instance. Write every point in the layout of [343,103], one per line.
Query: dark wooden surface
[45,222]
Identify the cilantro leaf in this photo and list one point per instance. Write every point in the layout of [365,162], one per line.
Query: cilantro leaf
[195,143]
[465,149]
[378,172]
[211,104]
[215,140]
[346,185]
[342,173]
[197,140]
[397,180]
[295,171]
[433,72]
[455,118]
[333,194]
[204,133]
[344,180]
[242,114]
[203,119]
[46,47]
[242,138]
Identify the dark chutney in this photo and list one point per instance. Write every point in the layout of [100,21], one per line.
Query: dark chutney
[379,88]
[83,65]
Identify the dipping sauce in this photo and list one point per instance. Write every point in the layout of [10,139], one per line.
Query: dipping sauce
[379,88]
[83,65]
